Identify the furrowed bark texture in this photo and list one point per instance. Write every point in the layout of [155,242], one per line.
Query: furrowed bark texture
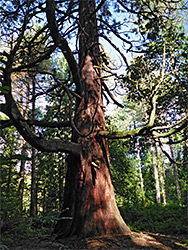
[89,206]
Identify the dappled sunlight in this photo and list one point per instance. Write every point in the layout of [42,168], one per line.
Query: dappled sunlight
[146,240]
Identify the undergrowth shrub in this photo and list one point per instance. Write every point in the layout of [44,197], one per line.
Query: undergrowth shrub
[169,219]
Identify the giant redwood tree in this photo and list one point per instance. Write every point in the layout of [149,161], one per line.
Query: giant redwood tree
[75,29]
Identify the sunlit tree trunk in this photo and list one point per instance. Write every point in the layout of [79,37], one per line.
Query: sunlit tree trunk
[164,174]
[23,143]
[157,187]
[160,176]
[89,203]
[156,177]
[139,162]
[175,172]
[139,166]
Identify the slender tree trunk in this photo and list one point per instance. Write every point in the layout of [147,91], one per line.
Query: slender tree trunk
[33,206]
[22,174]
[160,176]
[139,166]
[139,163]
[62,171]
[89,203]
[156,177]
[23,144]
[157,187]
[175,172]
[164,174]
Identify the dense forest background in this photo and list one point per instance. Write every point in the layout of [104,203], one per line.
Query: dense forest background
[150,179]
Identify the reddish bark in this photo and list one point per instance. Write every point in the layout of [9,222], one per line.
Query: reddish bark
[89,206]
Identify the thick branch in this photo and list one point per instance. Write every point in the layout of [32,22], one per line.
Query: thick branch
[5,124]
[11,110]
[124,134]
[54,145]
[62,43]
[170,142]
[48,124]
[3,108]
[146,130]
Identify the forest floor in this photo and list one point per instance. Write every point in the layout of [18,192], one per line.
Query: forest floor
[134,240]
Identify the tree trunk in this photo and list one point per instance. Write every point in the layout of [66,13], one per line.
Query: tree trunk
[23,143]
[89,203]
[164,174]
[157,187]
[140,167]
[139,163]
[61,170]
[160,176]
[22,173]
[175,172]
[33,205]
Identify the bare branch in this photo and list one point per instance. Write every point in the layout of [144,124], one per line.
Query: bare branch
[111,96]
[117,34]
[116,48]
[171,132]
[170,126]
[169,157]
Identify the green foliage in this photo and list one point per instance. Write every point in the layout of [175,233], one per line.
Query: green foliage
[169,219]
[123,166]
[50,181]
[124,173]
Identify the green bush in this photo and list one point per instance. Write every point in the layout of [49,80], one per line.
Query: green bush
[169,219]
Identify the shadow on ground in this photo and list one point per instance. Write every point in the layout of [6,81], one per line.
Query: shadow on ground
[133,240]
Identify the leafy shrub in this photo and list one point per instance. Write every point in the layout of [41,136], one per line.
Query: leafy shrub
[169,219]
